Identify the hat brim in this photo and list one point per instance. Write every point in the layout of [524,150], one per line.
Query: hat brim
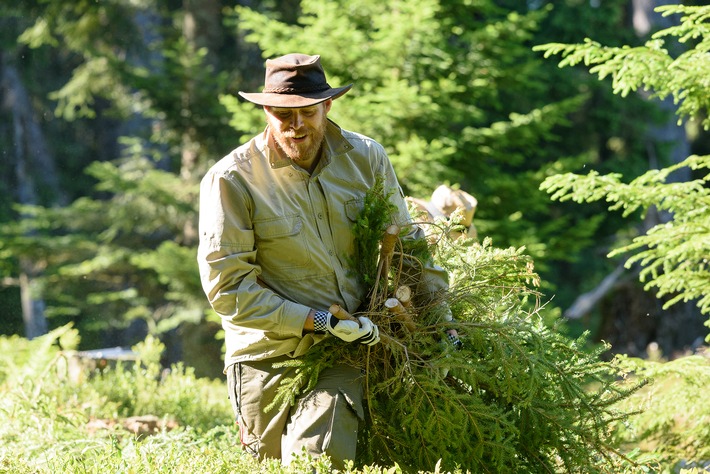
[271,99]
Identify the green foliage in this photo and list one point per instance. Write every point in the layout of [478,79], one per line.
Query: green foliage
[124,250]
[83,30]
[652,66]
[123,257]
[47,415]
[21,361]
[145,387]
[673,424]
[48,421]
[673,254]
[374,217]
[47,412]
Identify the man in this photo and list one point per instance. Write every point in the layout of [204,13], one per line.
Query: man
[276,239]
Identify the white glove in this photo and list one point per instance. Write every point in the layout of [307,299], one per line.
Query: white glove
[349,331]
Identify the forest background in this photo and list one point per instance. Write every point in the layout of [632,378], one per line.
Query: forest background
[112,111]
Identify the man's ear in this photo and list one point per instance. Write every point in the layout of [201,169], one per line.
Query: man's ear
[327,104]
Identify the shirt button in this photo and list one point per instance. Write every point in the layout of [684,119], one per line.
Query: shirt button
[330,252]
[320,215]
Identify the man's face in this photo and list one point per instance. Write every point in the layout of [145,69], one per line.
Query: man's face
[299,131]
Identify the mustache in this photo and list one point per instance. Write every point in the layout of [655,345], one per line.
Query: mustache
[293,134]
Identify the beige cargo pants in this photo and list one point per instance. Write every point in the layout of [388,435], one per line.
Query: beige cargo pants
[323,420]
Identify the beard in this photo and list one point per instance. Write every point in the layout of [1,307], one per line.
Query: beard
[301,152]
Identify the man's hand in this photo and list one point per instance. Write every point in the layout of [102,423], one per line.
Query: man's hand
[452,336]
[349,331]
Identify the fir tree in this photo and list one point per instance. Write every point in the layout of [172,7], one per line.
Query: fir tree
[673,254]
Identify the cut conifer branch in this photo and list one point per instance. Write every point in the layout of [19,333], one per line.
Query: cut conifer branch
[518,396]
[400,313]
[389,241]
[338,311]
[404,295]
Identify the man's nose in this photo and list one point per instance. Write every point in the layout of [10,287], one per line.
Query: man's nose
[296,120]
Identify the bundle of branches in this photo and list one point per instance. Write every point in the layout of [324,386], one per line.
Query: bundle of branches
[515,396]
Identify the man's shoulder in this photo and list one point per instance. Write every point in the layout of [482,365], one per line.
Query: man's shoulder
[356,136]
[361,142]
[239,158]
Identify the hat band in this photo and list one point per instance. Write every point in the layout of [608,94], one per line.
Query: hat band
[295,90]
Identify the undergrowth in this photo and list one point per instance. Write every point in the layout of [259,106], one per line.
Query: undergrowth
[45,418]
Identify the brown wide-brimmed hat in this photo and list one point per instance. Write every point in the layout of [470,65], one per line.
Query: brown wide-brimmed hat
[294,80]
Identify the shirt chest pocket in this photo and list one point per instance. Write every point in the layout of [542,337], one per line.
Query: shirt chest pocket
[281,244]
[353,208]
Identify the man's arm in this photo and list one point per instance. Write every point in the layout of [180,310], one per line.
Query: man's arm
[227,262]
[229,273]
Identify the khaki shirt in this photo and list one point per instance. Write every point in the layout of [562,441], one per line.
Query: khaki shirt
[276,241]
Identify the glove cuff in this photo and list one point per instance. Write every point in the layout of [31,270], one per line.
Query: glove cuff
[320,322]
[454,341]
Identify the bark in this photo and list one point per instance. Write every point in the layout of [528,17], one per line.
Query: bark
[34,168]
[32,306]
[202,27]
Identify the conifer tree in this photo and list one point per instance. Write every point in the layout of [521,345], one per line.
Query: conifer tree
[124,249]
[673,255]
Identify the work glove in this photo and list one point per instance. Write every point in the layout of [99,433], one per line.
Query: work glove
[452,335]
[349,331]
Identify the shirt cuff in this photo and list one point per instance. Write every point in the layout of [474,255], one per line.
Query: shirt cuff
[295,315]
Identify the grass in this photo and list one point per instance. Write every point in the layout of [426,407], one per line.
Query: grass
[51,422]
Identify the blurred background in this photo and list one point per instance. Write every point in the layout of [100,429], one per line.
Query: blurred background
[111,111]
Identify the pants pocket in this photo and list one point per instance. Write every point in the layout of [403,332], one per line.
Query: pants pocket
[340,440]
[233,387]
[325,421]
[250,443]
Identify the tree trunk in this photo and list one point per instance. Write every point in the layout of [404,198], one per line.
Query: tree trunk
[202,28]
[32,307]
[34,168]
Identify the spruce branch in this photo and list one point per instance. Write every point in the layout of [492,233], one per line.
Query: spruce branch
[516,397]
